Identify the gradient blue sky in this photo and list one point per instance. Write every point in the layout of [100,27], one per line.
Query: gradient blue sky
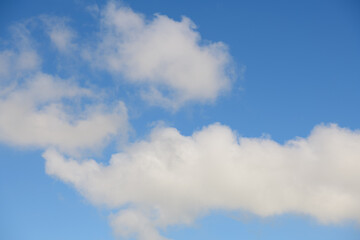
[297,64]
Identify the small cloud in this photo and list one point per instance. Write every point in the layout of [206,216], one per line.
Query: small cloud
[94,10]
[60,34]
[37,116]
[167,59]
[20,57]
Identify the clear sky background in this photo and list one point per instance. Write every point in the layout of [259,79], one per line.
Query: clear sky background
[296,65]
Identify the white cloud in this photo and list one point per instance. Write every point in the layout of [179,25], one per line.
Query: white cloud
[16,63]
[20,58]
[173,179]
[41,110]
[169,178]
[34,114]
[167,57]
[60,34]
[132,223]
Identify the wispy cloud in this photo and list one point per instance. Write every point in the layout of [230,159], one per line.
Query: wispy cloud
[19,57]
[43,110]
[60,33]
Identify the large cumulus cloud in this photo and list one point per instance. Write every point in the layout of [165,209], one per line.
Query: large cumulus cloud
[172,179]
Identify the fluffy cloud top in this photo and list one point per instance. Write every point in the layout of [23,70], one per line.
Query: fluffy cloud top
[34,113]
[166,56]
[172,179]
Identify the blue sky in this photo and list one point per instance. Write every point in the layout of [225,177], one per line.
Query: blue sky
[172,119]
